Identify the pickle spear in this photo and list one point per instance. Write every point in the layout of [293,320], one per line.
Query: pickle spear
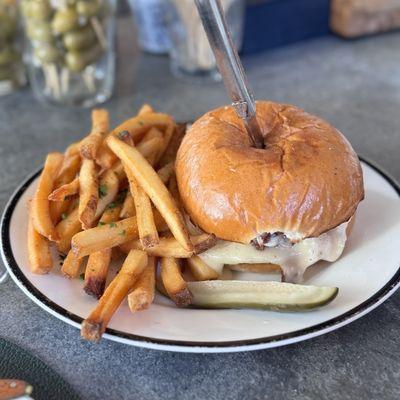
[275,296]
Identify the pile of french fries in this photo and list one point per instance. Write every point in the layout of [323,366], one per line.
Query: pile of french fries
[113,196]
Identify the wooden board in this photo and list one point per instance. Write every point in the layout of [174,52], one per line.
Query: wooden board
[354,18]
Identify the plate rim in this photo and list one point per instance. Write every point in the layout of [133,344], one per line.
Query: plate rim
[183,345]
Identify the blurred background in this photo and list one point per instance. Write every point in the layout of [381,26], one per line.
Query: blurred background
[338,59]
[335,58]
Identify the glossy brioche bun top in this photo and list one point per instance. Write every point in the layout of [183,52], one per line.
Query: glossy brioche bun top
[306,181]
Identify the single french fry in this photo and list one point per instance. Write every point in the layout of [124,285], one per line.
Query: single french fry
[73,149]
[200,270]
[142,294]
[68,171]
[96,272]
[88,193]
[105,157]
[71,266]
[40,207]
[108,190]
[90,145]
[167,247]
[170,247]
[58,209]
[109,235]
[66,229]
[169,130]
[40,260]
[166,172]
[151,134]
[173,189]
[128,208]
[144,213]
[139,125]
[118,170]
[174,283]
[95,324]
[145,109]
[68,189]
[155,189]
[98,263]
[259,268]
[150,148]
[171,150]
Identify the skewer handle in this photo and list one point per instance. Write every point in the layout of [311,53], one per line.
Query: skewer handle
[230,66]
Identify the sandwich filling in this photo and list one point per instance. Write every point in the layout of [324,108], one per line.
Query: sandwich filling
[293,259]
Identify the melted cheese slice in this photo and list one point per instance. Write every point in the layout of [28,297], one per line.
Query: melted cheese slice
[293,260]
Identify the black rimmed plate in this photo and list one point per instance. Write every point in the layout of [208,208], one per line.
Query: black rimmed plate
[367,274]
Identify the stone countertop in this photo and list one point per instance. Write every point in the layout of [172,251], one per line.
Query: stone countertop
[356,86]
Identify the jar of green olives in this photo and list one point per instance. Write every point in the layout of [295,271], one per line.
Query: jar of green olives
[70,49]
[12,74]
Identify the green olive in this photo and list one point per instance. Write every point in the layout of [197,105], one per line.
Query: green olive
[80,38]
[77,61]
[88,8]
[8,26]
[6,73]
[25,6]
[40,31]
[47,53]
[65,20]
[8,56]
[37,9]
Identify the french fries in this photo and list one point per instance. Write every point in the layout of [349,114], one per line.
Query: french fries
[128,208]
[109,235]
[145,109]
[90,145]
[68,189]
[200,270]
[170,247]
[69,169]
[104,200]
[169,154]
[40,261]
[148,233]
[96,272]
[108,191]
[98,263]
[40,207]
[95,324]
[155,189]
[71,265]
[88,193]
[73,150]
[174,284]
[66,229]
[150,148]
[142,294]
[166,172]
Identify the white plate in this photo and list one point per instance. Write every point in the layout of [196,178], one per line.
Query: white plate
[366,274]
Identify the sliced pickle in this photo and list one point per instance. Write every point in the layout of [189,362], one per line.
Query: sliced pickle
[275,296]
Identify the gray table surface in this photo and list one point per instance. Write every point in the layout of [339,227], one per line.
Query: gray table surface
[354,85]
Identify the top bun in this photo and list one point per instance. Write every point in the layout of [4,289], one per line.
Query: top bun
[306,181]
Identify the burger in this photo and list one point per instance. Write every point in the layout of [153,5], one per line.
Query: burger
[286,205]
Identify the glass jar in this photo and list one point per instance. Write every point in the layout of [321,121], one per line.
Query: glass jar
[12,74]
[190,53]
[70,50]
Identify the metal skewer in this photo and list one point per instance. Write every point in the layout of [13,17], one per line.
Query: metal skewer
[230,66]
